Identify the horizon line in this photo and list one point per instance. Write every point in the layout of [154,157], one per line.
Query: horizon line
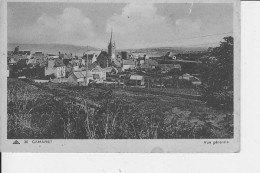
[149,47]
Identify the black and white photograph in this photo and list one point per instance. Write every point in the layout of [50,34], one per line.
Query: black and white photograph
[142,71]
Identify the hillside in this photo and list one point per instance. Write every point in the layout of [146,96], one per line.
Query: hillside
[61,111]
[163,50]
[51,48]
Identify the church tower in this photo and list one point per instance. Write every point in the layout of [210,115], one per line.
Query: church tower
[112,48]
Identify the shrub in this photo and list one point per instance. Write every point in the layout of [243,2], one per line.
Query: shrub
[221,99]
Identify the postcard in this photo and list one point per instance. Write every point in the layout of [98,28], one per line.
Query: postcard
[120,76]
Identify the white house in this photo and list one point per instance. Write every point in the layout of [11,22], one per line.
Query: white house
[55,67]
[91,56]
[186,76]
[138,79]
[99,74]
[193,79]
[196,81]
[128,64]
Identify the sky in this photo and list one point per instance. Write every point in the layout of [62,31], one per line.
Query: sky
[134,25]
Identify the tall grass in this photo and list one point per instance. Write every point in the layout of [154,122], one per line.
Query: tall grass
[33,114]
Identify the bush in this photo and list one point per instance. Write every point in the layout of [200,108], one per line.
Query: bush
[220,99]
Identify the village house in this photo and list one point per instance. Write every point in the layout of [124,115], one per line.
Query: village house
[80,78]
[19,54]
[55,67]
[68,69]
[138,55]
[26,53]
[128,64]
[52,56]
[23,61]
[76,68]
[117,62]
[74,65]
[66,58]
[212,60]
[32,61]
[12,61]
[149,64]
[153,55]
[194,80]
[90,56]
[15,58]
[38,54]
[38,58]
[137,80]
[169,56]
[10,53]
[110,70]
[99,74]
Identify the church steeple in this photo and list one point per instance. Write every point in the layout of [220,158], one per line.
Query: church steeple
[111,37]
[111,48]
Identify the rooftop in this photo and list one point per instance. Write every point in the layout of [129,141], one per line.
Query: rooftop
[97,52]
[128,62]
[136,77]
[81,74]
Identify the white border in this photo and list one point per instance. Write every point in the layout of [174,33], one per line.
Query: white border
[166,145]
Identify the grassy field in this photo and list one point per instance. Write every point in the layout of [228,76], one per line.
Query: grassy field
[60,111]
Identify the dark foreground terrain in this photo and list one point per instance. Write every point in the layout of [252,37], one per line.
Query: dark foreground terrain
[59,111]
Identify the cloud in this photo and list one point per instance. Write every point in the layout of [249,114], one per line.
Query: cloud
[70,27]
[139,25]
[188,26]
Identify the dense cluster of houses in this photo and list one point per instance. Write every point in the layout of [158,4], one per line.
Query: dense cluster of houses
[95,66]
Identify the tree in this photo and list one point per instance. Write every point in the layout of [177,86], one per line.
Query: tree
[175,73]
[103,60]
[218,75]
[16,50]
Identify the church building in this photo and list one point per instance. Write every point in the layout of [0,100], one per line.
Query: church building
[112,49]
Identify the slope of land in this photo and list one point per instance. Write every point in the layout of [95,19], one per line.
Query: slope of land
[58,111]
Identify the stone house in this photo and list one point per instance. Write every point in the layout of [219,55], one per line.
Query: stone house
[55,67]
[80,78]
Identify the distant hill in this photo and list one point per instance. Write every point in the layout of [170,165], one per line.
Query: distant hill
[51,48]
[164,50]
[64,48]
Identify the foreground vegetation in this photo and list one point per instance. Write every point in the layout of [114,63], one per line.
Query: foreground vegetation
[48,111]
[218,75]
